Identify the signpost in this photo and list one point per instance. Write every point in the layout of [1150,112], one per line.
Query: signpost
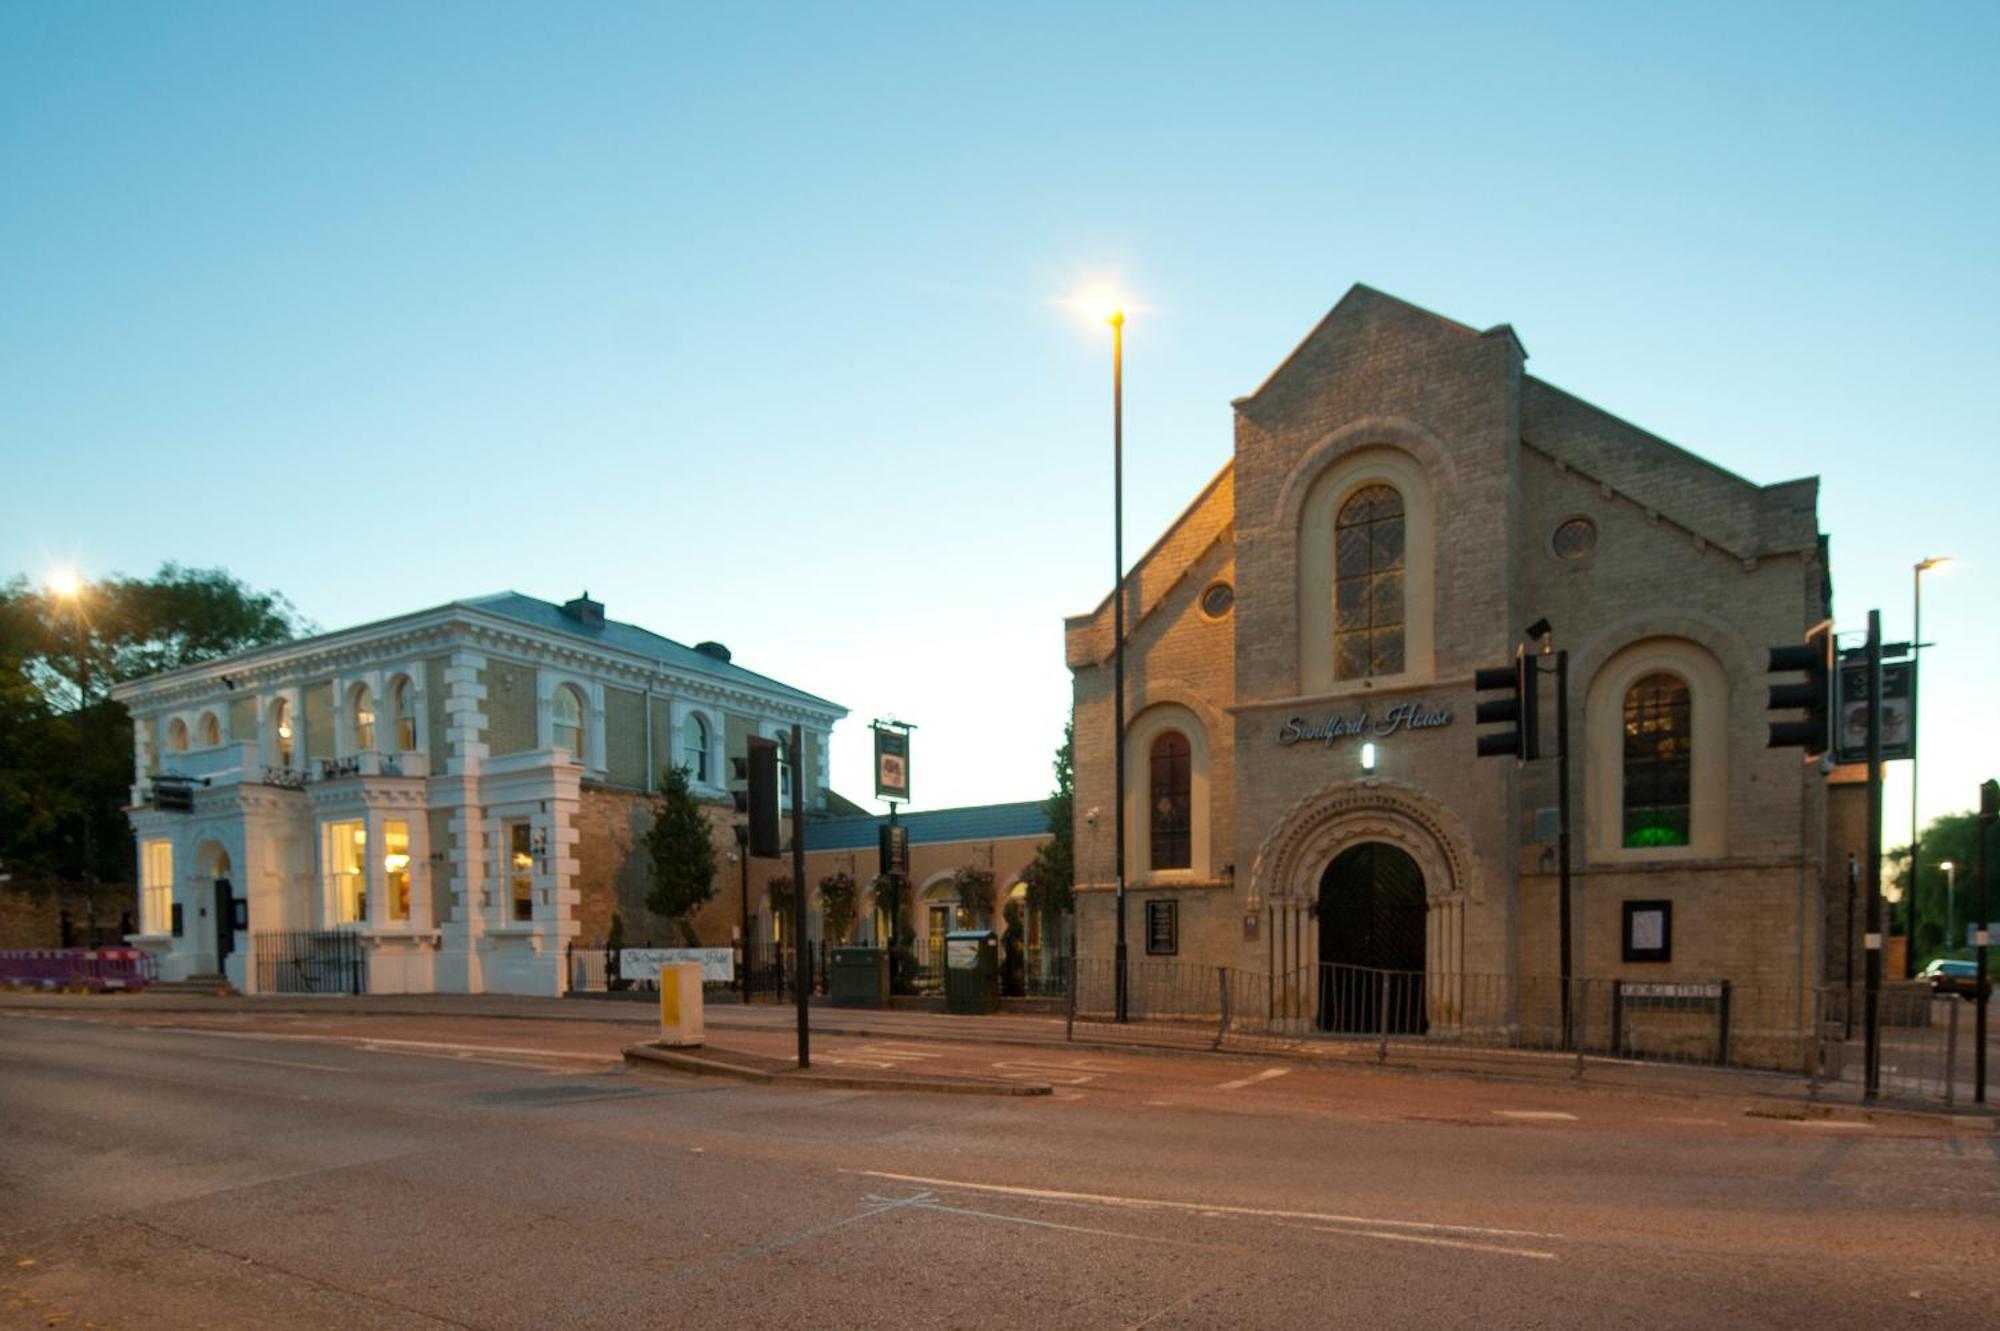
[892,785]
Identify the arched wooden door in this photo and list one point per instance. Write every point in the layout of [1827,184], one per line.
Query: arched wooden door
[1371,941]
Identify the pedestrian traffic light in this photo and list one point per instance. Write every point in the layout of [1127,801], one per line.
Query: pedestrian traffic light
[1814,697]
[1516,704]
[757,797]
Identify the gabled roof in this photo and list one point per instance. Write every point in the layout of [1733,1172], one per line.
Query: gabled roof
[629,638]
[973,822]
[1352,305]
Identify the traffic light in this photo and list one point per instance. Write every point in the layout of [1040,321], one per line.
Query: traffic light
[757,797]
[1516,703]
[1814,697]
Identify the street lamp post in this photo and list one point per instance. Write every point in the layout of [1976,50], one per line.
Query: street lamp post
[1916,682]
[1117,321]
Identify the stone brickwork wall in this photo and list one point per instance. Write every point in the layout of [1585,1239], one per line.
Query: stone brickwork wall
[1684,552]
[625,736]
[510,707]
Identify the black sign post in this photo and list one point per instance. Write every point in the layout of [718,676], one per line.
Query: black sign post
[1872,725]
[1989,811]
[892,785]
[802,970]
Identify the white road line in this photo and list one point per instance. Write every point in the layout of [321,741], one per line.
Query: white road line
[277,1063]
[1200,1208]
[1537,1254]
[1555,1115]
[375,1045]
[1266,1075]
[1836,1123]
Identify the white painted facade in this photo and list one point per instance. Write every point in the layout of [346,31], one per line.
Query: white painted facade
[454,866]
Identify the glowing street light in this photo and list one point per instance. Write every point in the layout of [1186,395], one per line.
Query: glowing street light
[1100,304]
[1933,563]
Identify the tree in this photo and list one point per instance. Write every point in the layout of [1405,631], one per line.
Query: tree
[1953,837]
[65,748]
[1052,874]
[682,850]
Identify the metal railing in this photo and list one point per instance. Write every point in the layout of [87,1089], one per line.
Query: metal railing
[1705,1022]
[322,961]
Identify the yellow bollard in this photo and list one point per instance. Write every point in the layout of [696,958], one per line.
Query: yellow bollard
[680,1005]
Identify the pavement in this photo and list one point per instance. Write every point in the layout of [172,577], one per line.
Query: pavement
[246,1163]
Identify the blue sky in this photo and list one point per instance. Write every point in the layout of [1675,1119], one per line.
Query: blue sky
[740,316]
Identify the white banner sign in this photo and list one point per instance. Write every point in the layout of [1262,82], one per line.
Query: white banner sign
[718,964]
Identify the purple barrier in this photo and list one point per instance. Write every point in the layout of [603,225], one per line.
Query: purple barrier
[97,968]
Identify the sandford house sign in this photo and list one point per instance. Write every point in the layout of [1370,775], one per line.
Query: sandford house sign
[1363,724]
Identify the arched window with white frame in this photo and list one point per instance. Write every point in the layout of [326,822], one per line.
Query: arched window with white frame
[209,728]
[1366,572]
[282,747]
[177,735]
[403,703]
[694,747]
[361,713]
[566,720]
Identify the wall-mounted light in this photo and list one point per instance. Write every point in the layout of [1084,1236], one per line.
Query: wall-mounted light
[1368,759]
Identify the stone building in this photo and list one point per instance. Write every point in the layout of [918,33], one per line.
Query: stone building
[457,793]
[1403,500]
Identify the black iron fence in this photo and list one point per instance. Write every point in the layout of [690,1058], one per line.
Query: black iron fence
[1926,1042]
[771,971]
[330,961]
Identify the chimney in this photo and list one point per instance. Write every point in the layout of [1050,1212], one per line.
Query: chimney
[585,611]
[714,649]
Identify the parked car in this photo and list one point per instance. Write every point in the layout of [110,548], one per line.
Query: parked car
[1955,977]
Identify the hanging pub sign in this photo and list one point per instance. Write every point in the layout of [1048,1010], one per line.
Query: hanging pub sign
[1850,712]
[892,764]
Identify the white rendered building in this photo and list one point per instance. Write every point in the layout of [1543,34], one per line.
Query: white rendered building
[409,806]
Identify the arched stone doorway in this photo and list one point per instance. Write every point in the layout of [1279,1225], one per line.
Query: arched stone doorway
[1371,913]
[1294,861]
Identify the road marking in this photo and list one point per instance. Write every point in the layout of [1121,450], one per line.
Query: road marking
[1535,1253]
[277,1063]
[1549,1114]
[1266,1075]
[1835,1123]
[1160,1204]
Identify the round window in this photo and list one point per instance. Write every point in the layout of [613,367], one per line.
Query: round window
[1215,602]
[1575,538]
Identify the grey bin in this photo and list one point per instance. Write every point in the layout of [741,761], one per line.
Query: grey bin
[858,977]
[972,972]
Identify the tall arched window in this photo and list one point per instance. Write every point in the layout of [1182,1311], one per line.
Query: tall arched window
[1368,584]
[567,707]
[177,735]
[694,747]
[403,698]
[210,730]
[364,717]
[281,733]
[1170,805]
[1659,761]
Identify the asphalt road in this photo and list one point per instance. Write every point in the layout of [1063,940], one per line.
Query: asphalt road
[166,1171]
